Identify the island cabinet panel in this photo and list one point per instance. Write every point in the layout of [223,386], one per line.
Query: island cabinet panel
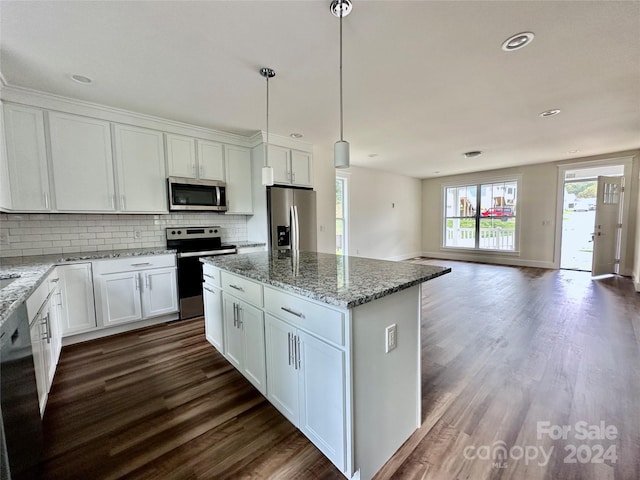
[306,382]
[78,304]
[244,340]
[214,331]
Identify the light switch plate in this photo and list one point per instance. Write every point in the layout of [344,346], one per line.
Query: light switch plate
[390,338]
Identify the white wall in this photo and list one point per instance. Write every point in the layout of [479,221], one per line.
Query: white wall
[536,213]
[384,214]
[636,266]
[324,182]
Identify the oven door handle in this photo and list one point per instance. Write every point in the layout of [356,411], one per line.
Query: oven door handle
[207,253]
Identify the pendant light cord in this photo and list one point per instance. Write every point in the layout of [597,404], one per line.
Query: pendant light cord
[341,121]
[266,147]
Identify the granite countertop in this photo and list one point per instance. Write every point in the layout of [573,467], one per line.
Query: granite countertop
[333,279]
[30,272]
[247,244]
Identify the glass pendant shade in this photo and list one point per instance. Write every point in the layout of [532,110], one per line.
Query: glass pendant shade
[341,154]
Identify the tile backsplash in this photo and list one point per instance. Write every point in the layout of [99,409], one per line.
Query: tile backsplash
[42,234]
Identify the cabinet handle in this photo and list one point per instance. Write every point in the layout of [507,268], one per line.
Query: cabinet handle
[193,169]
[54,280]
[201,170]
[46,200]
[137,282]
[147,281]
[289,346]
[113,201]
[292,312]
[295,352]
[209,290]
[237,287]
[235,316]
[61,304]
[123,202]
[298,351]
[293,175]
[140,264]
[240,322]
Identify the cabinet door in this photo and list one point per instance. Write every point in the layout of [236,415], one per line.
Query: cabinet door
[55,336]
[253,365]
[76,295]
[210,160]
[118,298]
[282,378]
[322,388]
[238,167]
[160,294]
[142,181]
[37,347]
[213,319]
[181,156]
[279,159]
[301,168]
[26,158]
[233,341]
[82,163]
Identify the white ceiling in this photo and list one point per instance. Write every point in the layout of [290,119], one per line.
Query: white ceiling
[424,81]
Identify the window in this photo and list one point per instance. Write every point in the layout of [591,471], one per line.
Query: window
[481,216]
[341,215]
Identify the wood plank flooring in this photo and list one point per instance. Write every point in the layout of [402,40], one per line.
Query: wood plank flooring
[502,349]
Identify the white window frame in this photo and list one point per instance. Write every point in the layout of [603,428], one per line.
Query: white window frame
[478,182]
[345,177]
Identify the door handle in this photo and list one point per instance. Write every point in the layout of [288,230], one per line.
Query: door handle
[289,346]
[237,287]
[235,316]
[147,281]
[123,202]
[137,282]
[298,351]
[46,200]
[292,312]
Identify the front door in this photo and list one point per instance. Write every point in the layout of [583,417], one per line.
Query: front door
[606,236]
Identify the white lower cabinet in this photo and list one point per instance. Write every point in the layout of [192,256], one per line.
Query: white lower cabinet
[306,383]
[244,340]
[78,311]
[136,288]
[214,332]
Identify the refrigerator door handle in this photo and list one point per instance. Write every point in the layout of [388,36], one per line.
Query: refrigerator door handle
[295,209]
[294,225]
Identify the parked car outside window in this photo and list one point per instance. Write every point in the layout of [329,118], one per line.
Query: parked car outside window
[498,212]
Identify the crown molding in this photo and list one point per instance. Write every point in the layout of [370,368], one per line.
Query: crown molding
[49,101]
[280,140]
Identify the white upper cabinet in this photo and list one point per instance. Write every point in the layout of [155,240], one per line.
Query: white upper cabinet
[279,160]
[181,156]
[26,159]
[194,158]
[210,160]
[238,167]
[300,168]
[142,184]
[82,163]
[290,167]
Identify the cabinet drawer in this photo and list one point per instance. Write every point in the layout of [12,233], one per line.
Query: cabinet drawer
[130,264]
[242,288]
[321,321]
[211,275]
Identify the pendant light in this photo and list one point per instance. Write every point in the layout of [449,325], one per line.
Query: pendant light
[267,170]
[340,9]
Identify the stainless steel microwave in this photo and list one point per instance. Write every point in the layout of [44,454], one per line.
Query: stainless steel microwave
[192,194]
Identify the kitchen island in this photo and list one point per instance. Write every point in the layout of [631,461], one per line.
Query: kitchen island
[333,342]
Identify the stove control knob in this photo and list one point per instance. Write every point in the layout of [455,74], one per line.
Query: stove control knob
[173,232]
[179,232]
[211,231]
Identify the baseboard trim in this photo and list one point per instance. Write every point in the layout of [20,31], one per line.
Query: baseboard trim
[405,256]
[492,259]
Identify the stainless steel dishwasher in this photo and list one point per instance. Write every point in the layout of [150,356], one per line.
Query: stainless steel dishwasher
[21,426]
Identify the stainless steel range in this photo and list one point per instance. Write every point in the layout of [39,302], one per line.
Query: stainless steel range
[191,243]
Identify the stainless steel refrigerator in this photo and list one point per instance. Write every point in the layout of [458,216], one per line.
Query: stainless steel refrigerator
[292,219]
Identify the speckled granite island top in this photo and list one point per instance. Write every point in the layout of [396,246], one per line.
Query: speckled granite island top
[333,279]
[30,272]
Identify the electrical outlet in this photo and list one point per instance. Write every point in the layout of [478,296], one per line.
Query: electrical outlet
[137,234]
[390,338]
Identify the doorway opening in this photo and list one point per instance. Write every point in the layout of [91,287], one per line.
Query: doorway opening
[580,203]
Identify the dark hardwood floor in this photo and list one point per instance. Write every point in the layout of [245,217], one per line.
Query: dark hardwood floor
[503,348]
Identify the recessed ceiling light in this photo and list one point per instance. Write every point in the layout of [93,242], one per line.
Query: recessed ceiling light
[573,151]
[296,135]
[437,171]
[372,155]
[517,41]
[473,153]
[550,113]
[81,79]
